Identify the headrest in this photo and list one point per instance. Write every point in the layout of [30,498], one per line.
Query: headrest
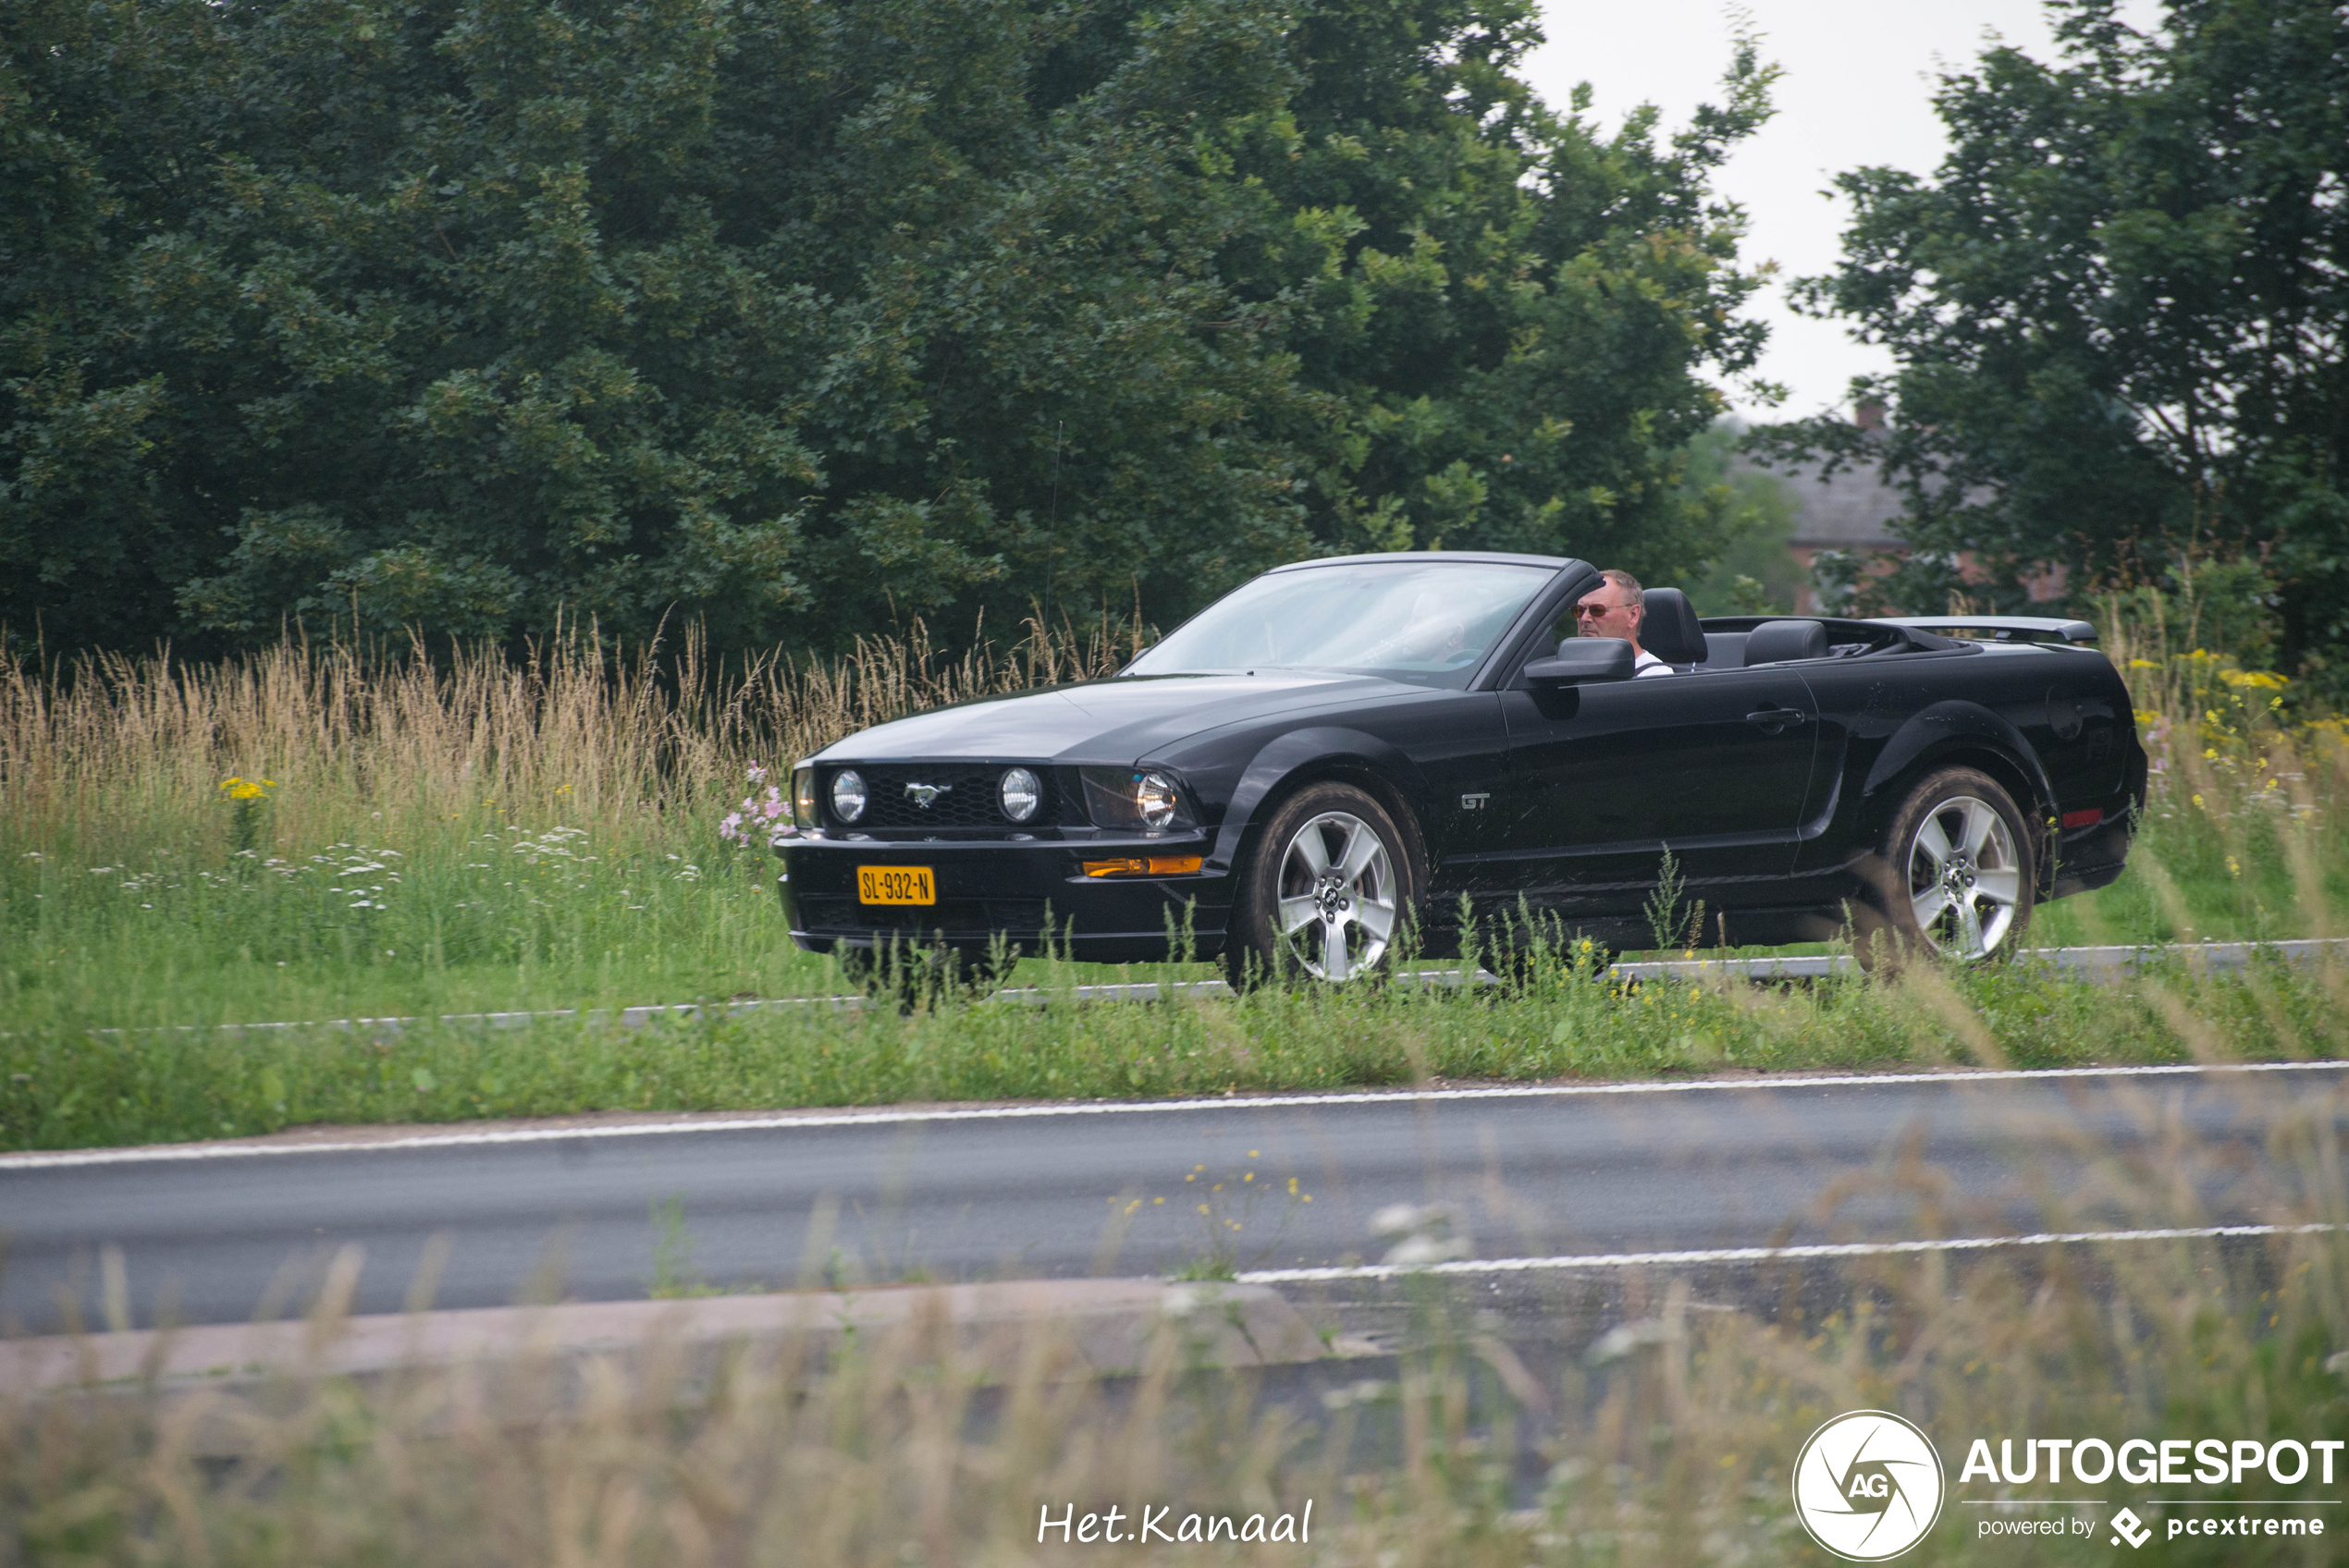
[1776,640]
[1669,630]
[1725,650]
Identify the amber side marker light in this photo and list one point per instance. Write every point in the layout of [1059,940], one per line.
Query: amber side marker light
[1156,866]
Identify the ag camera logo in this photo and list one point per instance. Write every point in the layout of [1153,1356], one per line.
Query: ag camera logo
[1868,1485]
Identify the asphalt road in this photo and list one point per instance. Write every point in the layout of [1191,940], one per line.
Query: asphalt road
[1061,1190]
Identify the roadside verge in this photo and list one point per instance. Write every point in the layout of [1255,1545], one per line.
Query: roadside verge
[1111,1327]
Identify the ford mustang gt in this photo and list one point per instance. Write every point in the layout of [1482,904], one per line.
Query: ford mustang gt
[1343,748]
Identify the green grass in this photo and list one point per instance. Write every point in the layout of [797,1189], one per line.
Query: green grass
[497,916]
[478,835]
[70,1087]
[502,916]
[481,912]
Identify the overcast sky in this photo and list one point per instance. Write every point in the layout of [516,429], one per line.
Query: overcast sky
[1857,89]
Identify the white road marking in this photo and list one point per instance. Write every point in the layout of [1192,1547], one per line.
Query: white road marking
[891,1117]
[1763,1255]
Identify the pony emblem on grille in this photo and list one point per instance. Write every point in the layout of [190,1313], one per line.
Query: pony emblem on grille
[922,794]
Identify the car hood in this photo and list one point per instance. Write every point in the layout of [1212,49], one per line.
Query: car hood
[1113,722]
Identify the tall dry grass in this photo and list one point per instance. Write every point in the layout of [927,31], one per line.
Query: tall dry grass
[2246,831]
[103,747]
[325,829]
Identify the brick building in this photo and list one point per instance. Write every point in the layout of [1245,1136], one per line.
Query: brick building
[1853,511]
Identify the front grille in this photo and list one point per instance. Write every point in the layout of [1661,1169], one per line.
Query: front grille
[968,798]
[955,917]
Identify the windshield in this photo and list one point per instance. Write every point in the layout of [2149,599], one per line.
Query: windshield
[1422,622]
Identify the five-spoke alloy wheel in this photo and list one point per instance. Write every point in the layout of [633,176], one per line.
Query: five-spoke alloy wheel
[1337,896]
[1324,890]
[1958,872]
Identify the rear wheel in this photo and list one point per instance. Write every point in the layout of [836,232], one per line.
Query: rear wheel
[1324,894]
[1957,873]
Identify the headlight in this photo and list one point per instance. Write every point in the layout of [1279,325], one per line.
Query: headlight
[803,796]
[1134,799]
[1021,793]
[1154,799]
[848,795]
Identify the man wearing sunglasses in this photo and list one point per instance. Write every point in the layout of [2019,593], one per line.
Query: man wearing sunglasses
[1615,609]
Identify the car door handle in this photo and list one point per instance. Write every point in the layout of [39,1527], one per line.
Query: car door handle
[1776,720]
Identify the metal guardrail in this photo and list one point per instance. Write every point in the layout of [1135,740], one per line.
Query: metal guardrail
[2105,965]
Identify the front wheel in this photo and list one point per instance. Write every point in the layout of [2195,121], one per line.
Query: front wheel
[1325,893]
[1957,873]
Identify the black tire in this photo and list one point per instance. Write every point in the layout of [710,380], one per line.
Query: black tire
[1357,911]
[1954,876]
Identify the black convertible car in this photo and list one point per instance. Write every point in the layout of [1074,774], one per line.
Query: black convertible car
[1343,745]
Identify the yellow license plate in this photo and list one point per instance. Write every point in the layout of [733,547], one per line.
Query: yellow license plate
[896,885]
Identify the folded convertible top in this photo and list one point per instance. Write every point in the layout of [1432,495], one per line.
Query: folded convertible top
[2003,628]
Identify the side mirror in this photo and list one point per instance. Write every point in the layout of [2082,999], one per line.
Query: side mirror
[1584,659]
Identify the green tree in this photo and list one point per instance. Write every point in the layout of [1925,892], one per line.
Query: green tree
[1755,572]
[2119,307]
[796,317]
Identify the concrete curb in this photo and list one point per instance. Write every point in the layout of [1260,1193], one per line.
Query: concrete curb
[2107,965]
[1111,1327]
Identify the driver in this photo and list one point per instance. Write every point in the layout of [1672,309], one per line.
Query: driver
[1615,609]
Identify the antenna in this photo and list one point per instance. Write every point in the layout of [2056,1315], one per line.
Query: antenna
[1052,530]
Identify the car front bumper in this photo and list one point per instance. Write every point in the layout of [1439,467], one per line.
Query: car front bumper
[1021,894]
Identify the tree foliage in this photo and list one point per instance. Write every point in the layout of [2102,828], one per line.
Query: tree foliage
[2120,306]
[794,316]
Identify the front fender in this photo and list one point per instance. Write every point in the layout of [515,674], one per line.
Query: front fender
[1284,756]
